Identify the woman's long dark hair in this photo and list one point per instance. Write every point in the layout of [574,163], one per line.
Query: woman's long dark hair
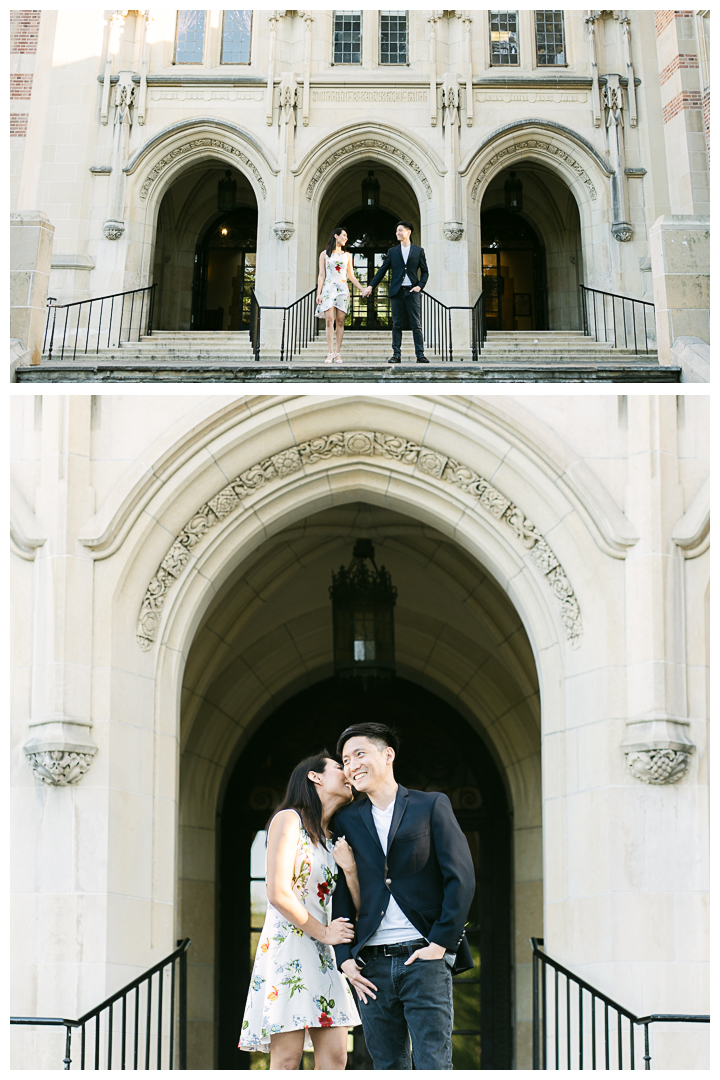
[331,242]
[301,795]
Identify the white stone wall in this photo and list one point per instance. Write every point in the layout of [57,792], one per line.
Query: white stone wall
[108,872]
[346,118]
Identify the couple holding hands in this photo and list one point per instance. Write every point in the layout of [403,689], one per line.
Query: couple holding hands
[409,276]
[372,893]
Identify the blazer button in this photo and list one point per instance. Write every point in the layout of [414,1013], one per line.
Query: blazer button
[388,881]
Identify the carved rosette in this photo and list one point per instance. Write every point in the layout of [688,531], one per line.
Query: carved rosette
[59,768]
[658,766]
[353,444]
[283,229]
[622,231]
[453,230]
[113,230]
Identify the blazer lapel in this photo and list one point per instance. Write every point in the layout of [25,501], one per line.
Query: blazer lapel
[401,801]
[366,815]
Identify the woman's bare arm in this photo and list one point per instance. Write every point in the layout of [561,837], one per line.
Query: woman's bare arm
[321,275]
[345,859]
[351,275]
[282,847]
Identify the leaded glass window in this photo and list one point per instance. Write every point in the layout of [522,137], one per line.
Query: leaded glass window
[550,37]
[504,37]
[348,37]
[190,37]
[393,37]
[237,26]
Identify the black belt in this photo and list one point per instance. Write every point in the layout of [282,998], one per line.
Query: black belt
[397,948]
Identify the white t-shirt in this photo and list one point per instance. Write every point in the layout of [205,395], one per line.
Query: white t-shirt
[405,281]
[394,925]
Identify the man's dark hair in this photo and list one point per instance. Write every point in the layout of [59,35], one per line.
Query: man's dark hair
[380,734]
[405,225]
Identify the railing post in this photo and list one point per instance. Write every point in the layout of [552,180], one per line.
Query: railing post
[182,1025]
[646,1058]
[536,1016]
[68,1040]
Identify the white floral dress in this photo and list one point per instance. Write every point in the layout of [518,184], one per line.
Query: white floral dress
[295,982]
[335,291]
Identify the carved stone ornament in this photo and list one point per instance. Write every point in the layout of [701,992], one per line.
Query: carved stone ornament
[368,144]
[59,768]
[545,148]
[622,231]
[192,146]
[60,751]
[357,444]
[113,230]
[283,229]
[658,766]
[453,230]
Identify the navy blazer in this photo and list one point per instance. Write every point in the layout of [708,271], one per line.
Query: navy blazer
[428,869]
[395,262]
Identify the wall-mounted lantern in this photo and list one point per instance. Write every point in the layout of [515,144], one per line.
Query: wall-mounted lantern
[513,193]
[363,598]
[227,190]
[371,190]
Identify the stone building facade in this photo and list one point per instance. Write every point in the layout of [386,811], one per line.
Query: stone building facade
[125,125]
[171,616]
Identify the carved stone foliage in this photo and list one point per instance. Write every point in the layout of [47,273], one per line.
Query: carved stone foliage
[283,229]
[113,230]
[545,148]
[354,444]
[59,768]
[197,144]
[658,766]
[368,144]
[453,230]
[622,231]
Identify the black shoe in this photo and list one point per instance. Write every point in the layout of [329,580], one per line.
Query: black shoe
[422,360]
[394,360]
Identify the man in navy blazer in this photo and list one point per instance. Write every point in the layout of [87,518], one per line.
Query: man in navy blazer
[409,276]
[416,885]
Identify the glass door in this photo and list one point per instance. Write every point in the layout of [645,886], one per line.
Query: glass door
[492,289]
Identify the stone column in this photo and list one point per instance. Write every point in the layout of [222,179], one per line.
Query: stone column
[31,241]
[680,256]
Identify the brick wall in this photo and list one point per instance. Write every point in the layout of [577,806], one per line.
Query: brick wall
[24,30]
[18,124]
[706,119]
[678,63]
[664,18]
[687,99]
[21,87]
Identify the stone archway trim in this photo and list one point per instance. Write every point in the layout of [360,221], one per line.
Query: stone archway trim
[192,126]
[367,144]
[545,126]
[356,444]
[198,144]
[544,147]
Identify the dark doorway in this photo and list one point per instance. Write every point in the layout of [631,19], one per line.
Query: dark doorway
[225,272]
[514,272]
[439,751]
[371,233]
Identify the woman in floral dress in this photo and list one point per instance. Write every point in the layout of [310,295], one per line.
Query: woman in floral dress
[333,294]
[296,992]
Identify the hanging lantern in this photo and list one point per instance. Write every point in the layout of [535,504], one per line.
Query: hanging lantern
[371,190]
[363,599]
[227,189]
[513,193]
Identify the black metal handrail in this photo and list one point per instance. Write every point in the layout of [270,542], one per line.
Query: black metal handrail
[579,1022]
[612,317]
[298,325]
[122,315]
[171,1007]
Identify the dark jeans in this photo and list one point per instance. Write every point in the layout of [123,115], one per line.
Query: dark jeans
[412,1003]
[405,308]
